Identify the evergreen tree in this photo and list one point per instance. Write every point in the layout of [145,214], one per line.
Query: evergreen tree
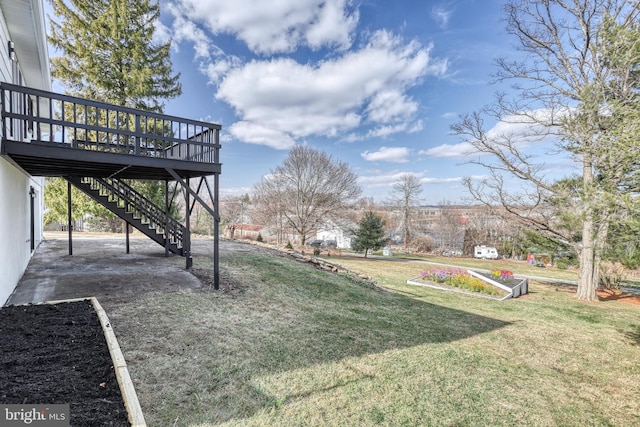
[370,234]
[108,53]
[55,197]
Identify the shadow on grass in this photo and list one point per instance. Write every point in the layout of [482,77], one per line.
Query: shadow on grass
[295,318]
[633,335]
[198,355]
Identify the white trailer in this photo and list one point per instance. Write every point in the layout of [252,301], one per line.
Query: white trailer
[485,252]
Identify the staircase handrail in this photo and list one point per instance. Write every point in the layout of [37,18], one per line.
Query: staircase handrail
[141,204]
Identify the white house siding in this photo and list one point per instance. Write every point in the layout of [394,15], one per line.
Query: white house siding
[15,184]
[15,224]
[338,232]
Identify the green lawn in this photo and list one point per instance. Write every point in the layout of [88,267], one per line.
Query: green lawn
[289,345]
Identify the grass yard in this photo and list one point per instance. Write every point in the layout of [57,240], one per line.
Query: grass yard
[288,345]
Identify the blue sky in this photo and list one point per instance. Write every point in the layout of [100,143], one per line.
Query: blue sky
[372,83]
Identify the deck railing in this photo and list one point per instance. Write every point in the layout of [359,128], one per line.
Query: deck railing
[35,116]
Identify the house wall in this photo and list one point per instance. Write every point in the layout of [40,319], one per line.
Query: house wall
[15,224]
[333,232]
[15,198]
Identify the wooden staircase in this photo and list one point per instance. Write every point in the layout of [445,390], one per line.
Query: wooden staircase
[137,210]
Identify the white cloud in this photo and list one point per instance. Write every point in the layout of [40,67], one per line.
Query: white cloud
[388,154]
[381,180]
[441,16]
[461,149]
[385,131]
[217,70]
[387,106]
[278,100]
[333,26]
[526,128]
[427,180]
[184,29]
[226,192]
[161,33]
[334,96]
[257,134]
[269,27]
[531,127]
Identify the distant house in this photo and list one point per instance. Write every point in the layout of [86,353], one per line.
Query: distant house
[23,61]
[341,232]
[244,231]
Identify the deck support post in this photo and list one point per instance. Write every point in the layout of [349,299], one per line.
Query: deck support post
[166,218]
[216,216]
[69,217]
[187,236]
[126,227]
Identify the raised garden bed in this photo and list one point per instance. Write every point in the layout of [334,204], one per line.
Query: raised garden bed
[514,286]
[65,353]
[474,283]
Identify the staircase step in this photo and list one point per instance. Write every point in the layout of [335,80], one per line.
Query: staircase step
[132,207]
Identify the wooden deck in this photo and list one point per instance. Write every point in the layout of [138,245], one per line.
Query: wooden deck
[49,134]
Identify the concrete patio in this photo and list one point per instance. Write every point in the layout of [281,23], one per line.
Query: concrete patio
[100,267]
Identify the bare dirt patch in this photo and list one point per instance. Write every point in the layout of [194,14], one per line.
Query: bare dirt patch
[618,295]
[227,284]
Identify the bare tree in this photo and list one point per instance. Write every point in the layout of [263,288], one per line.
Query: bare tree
[577,84]
[406,197]
[234,211]
[308,188]
[450,227]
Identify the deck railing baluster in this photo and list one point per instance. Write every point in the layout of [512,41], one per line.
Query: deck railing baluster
[90,125]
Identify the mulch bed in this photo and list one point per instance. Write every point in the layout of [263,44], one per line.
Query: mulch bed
[57,354]
[618,295]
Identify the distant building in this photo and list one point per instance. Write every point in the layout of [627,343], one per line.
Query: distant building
[243,231]
[340,231]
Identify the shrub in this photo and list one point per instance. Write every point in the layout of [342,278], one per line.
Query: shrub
[422,244]
[259,238]
[611,274]
[289,245]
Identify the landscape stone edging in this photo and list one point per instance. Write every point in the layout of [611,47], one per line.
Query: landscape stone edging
[335,267]
[319,262]
[129,396]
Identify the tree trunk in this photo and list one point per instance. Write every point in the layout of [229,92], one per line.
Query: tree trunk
[405,224]
[114,224]
[587,281]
